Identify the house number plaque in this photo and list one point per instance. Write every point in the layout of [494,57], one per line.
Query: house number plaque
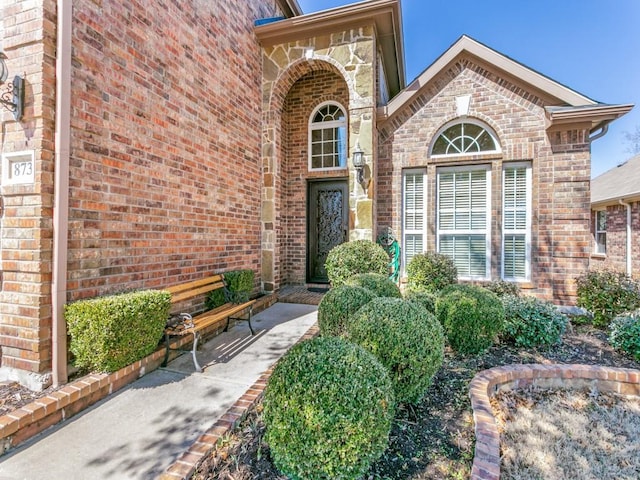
[18,168]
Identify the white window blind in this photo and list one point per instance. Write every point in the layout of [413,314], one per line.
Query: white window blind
[601,231]
[516,228]
[413,222]
[464,220]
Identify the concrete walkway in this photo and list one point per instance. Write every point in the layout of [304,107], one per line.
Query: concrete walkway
[138,432]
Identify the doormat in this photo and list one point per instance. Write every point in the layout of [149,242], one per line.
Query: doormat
[317,290]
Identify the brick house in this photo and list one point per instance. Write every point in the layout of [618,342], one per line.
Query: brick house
[162,141]
[615,218]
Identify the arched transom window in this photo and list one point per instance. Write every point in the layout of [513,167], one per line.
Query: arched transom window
[465,138]
[328,137]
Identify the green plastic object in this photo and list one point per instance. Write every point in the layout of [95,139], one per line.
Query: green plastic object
[388,241]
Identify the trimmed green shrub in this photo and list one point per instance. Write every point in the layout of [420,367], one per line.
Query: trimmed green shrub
[502,288]
[351,258]
[530,322]
[239,288]
[607,293]
[424,298]
[472,317]
[625,333]
[431,271]
[328,410]
[338,306]
[406,339]
[379,284]
[109,333]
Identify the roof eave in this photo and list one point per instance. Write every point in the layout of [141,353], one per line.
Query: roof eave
[598,115]
[604,202]
[290,8]
[383,14]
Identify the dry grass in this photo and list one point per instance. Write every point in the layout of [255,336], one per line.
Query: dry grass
[556,435]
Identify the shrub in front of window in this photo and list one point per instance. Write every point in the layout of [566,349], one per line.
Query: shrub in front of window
[607,293]
[472,317]
[423,298]
[351,258]
[503,288]
[406,339]
[109,333]
[431,271]
[380,285]
[328,410]
[338,306]
[624,333]
[530,322]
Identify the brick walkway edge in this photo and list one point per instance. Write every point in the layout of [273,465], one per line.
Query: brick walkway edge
[486,462]
[185,466]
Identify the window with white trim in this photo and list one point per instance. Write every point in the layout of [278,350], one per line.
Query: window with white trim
[516,222]
[466,137]
[601,231]
[414,233]
[464,219]
[328,137]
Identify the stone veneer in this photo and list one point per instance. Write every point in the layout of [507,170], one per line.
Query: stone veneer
[351,56]
[486,462]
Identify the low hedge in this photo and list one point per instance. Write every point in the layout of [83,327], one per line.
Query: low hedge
[338,306]
[380,285]
[472,317]
[328,410]
[109,333]
[406,339]
[531,322]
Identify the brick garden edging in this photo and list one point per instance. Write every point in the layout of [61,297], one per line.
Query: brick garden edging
[185,466]
[486,462]
[29,420]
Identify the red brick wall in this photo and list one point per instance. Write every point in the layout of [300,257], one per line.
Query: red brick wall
[304,96]
[560,168]
[616,256]
[165,143]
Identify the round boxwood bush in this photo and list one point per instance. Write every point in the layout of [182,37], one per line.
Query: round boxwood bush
[380,285]
[407,340]
[431,271]
[530,322]
[351,258]
[625,333]
[472,317]
[503,288]
[337,307]
[423,298]
[328,409]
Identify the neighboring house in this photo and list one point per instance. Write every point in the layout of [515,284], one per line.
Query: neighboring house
[161,141]
[615,218]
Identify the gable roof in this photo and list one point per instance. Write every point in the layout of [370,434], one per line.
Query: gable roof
[385,15]
[573,105]
[619,183]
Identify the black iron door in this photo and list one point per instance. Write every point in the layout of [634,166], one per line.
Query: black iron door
[327,224]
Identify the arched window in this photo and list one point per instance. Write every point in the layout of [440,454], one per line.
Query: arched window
[328,137]
[465,138]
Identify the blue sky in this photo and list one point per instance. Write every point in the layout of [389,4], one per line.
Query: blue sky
[591,46]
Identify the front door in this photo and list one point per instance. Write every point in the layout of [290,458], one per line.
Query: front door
[328,224]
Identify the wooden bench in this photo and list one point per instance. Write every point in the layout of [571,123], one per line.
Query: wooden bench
[188,325]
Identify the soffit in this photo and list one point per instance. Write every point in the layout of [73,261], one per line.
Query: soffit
[384,15]
[290,8]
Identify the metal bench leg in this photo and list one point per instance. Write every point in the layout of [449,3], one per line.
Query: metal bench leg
[249,319]
[196,336]
[166,350]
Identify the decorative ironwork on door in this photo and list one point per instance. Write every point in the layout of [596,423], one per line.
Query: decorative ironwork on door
[327,224]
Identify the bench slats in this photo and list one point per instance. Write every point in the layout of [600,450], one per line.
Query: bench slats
[185,295]
[208,318]
[196,283]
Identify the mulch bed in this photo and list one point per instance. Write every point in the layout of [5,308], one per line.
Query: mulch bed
[432,440]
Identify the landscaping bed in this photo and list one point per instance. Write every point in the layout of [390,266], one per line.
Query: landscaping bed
[433,439]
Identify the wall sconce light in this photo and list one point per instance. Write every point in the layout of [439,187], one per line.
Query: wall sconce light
[360,164]
[13,98]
